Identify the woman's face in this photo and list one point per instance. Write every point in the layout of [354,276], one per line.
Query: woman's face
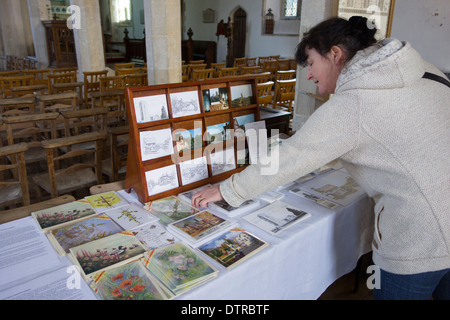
[324,70]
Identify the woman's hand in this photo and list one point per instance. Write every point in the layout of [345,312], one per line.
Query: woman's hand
[207,195]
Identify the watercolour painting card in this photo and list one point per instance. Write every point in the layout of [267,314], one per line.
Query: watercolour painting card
[170,209]
[156,144]
[162,179]
[179,267]
[219,133]
[129,282]
[200,226]
[130,216]
[106,201]
[233,247]
[104,253]
[82,232]
[151,108]
[187,140]
[185,104]
[240,122]
[62,214]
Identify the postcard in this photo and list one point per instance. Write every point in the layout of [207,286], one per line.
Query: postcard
[106,201]
[82,232]
[188,139]
[104,253]
[170,209]
[130,216]
[185,104]
[194,170]
[233,247]
[219,133]
[162,179]
[62,214]
[129,282]
[241,95]
[151,108]
[156,144]
[222,161]
[215,99]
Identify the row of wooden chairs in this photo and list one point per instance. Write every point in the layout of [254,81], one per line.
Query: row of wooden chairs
[18,63]
[83,137]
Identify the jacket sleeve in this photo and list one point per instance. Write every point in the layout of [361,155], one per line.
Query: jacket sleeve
[329,133]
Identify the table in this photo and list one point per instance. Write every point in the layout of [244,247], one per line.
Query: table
[302,261]
[275,119]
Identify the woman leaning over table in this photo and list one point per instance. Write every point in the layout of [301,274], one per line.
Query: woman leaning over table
[390,127]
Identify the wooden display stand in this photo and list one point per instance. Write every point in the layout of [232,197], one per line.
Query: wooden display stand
[161,151]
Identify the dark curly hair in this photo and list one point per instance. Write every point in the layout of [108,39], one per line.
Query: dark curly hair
[350,35]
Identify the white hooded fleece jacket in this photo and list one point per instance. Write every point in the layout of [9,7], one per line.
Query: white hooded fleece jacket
[391,130]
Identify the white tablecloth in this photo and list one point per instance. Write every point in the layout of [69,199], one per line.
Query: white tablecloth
[302,261]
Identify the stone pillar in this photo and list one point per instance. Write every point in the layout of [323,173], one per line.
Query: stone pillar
[88,36]
[163,38]
[313,12]
[16,37]
[38,11]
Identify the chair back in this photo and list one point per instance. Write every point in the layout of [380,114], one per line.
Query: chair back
[127,65]
[284,93]
[263,77]
[202,74]
[285,75]
[112,83]
[6,83]
[228,72]
[92,82]
[40,76]
[76,168]
[265,93]
[217,67]
[13,173]
[192,67]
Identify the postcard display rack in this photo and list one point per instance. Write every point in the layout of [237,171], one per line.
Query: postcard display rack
[186,135]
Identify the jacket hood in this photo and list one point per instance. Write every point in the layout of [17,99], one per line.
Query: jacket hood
[388,64]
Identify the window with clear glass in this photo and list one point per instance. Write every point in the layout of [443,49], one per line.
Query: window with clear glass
[121,11]
[291,9]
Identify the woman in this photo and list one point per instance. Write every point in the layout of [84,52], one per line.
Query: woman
[390,127]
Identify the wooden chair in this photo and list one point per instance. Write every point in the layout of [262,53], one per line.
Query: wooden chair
[24,105]
[58,102]
[6,83]
[61,82]
[263,77]
[10,73]
[40,76]
[292,64]
[285,75]
[92,83]
[239,63]
[192,67]
[107,187]
[202,74]
[114,101]
[112,83]
[265,95]
[283,64]
[32,130]
[129,71]
[250,70]
[127,65]
[217,67]
[262,59]
[228,72]
[270,66]
[136,80]
[77,122]
[284,94]
[251,61]
[71,176]
[64,70]
[197,62]
[115,167]
[184,73]
[14,183]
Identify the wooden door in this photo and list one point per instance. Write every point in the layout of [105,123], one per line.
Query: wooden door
[239,33]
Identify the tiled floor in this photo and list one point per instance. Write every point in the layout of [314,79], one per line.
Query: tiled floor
[344,288]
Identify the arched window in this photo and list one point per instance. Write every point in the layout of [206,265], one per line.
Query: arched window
[291,9]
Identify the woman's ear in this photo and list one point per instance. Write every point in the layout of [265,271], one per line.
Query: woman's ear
[337,54]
